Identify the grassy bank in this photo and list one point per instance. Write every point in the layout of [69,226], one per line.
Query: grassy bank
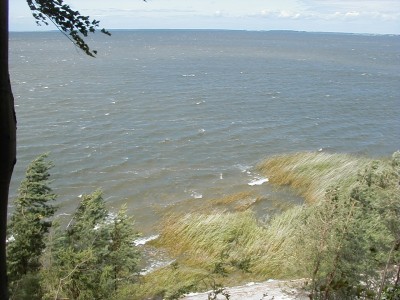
[227,248]
[312,173]
[344,234]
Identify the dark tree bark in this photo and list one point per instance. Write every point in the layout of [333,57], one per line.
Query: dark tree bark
[7,142]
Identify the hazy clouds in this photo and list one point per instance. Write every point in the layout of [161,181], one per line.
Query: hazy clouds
[366,16]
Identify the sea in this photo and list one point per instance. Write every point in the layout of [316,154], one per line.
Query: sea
[161,117]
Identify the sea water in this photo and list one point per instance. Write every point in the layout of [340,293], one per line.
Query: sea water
[162,116]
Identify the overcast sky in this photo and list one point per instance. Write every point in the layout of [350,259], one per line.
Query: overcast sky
[354,16]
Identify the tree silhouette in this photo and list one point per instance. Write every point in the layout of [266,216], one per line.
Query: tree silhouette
[76,27]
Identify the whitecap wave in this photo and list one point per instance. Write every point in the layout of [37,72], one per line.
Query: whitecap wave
[243,168]
[258,181]
[196,195]
[143,240]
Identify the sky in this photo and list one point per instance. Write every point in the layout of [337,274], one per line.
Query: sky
[352,16]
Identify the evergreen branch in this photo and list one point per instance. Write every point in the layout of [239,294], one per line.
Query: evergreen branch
[69,275]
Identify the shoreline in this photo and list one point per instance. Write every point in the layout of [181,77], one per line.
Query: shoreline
[267,290]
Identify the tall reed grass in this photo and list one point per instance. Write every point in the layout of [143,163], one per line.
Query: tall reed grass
[284,247]
[312,173]
[203,238]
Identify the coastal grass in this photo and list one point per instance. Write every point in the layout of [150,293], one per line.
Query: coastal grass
[312,173]
[234,238]
[225,237]
[240,201]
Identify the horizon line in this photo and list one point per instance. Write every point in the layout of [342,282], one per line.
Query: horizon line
[217,29]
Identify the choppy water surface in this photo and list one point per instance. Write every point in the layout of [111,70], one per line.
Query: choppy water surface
[163,116]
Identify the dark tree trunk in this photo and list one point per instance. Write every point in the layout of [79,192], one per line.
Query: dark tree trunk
[7,142]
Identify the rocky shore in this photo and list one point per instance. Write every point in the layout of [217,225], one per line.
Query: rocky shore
[268,290]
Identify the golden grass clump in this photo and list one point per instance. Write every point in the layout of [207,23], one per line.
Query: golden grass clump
[202,238]
[286,247]
[312,173]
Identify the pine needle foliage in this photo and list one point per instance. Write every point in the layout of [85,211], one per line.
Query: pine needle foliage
[30,222]
[94,256]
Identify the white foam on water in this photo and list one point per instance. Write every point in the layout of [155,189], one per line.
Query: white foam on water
[63,214]
[196,195]
[258,181]
[143,240]
[243,168]
[156,265]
